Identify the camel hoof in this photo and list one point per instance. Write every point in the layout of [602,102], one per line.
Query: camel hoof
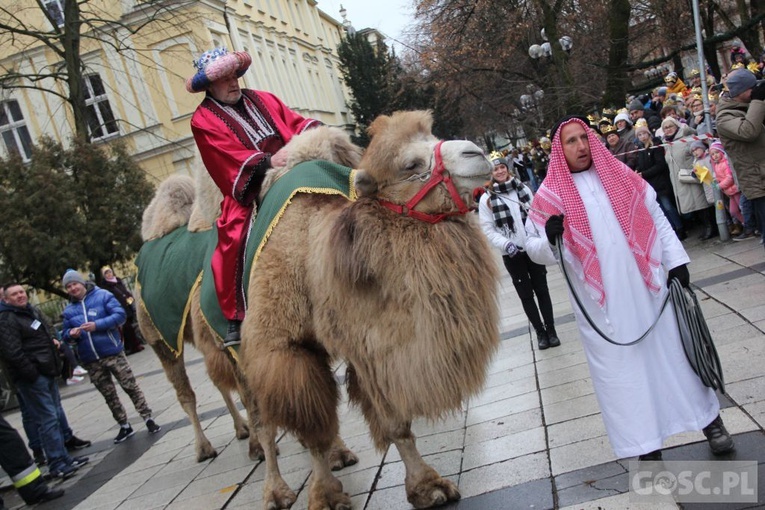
[256,452]
[279,498]
[329,500]
[242,432]
[342,457]
[433,492]
[206,452]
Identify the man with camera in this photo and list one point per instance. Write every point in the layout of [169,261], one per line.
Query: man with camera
[740,116]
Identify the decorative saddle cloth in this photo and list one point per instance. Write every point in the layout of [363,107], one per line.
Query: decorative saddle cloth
[171,267]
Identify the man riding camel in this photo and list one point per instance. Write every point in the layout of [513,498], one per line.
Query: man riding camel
[240,133]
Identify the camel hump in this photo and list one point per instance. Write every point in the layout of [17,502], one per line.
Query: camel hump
[170,208]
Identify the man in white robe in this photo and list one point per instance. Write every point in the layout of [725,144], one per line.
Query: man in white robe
[618,247]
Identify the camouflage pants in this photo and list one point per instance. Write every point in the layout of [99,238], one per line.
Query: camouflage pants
[101,371]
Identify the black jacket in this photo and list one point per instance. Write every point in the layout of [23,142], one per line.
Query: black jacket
[652,166]
[26,344]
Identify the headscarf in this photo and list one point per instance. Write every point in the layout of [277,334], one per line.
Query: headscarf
[626,191]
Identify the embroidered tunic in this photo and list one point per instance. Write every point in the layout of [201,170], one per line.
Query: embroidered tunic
[236,143]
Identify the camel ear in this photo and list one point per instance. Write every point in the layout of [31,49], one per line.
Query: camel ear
[365,184]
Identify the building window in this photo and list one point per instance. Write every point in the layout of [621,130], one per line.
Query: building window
[55,10]
[14,131]
[100,117]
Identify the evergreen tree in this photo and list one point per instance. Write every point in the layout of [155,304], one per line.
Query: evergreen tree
[69,208]
[365,71]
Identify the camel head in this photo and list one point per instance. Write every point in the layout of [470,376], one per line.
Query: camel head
[403,158]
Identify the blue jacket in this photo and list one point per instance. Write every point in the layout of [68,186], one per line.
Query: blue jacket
[99,306]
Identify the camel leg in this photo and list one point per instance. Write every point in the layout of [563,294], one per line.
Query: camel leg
[276,493]
[325,491]
[340,455]
[425,488]
[175,371]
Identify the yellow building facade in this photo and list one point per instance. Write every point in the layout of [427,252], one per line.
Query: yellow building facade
[136,67]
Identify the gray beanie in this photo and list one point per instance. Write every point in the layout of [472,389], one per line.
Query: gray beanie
[740,81]
[72,276]
[499,161]
[635,105]
[698,144]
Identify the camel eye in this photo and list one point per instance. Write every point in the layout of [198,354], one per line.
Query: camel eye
[411,166]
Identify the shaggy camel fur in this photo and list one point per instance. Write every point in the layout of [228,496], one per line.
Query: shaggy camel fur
[174,205]
[410,306]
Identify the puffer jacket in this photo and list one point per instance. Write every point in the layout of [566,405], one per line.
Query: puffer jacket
[99,306]
[26,344]
[739,126]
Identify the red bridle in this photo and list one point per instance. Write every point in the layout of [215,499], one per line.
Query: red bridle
[436,177]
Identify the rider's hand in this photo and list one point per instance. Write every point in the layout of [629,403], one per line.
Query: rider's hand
[279,159]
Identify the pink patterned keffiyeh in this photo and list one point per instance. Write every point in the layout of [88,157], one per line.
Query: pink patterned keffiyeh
[626,191]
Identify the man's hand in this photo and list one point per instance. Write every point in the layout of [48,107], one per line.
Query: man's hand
[74,332]
[682,275]
[88,326]
[279,159]
[758,91]
[554,228]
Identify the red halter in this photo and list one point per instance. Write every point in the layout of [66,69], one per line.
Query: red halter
[436,177]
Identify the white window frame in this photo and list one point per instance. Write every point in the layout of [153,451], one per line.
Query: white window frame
[94,104]
[19,131]
[59,5]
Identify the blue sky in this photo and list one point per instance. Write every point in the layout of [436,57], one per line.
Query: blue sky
[389,17]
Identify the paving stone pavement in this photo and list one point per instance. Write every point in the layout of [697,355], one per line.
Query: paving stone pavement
[533,438]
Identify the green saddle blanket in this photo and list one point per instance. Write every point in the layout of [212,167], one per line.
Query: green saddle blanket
[171,267]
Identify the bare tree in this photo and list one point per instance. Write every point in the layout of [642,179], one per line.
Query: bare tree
[42,24]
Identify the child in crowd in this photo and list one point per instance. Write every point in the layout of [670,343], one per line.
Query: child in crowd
[702,167]
[724,178]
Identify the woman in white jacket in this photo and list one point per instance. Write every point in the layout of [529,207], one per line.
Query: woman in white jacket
[502,212]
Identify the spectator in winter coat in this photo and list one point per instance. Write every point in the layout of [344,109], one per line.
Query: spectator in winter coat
[652,166]
[130,333]
[740,116]
[725,180]
[502,212]
[91,320]
[639,111]
[27,348]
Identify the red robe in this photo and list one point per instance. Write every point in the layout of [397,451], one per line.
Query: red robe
[236,144]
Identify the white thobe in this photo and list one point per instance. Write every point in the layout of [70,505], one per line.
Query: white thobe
[648,391]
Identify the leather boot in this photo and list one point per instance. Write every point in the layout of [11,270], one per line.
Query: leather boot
[707,234]
[552,336]
[542,339]
[233,336]
[718,437]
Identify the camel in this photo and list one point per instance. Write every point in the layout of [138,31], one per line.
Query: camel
[181,200]
[399,284]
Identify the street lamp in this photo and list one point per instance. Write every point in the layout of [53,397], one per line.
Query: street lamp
[537,51]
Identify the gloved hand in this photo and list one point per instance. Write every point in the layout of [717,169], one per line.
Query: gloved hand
[511,249]
[758,91]
[682,275]
[554,228]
